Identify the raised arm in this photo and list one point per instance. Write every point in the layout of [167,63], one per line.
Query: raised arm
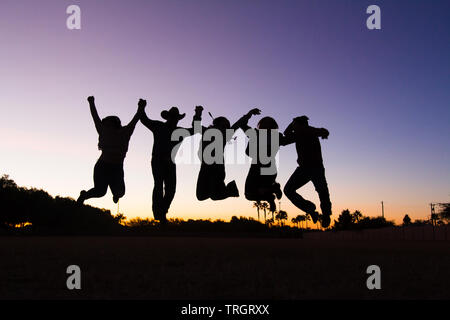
[141,109]
[132,125]
[198,113]
[149,123]
[197,121]
[242,123]
[94,113]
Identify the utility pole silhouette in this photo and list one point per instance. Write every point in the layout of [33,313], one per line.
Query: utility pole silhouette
[382,209]
[433,213]
[433,218]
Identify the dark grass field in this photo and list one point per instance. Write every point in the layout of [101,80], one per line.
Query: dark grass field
[221,268]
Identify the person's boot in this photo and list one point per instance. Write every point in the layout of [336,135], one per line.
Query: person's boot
[232,189]
[82,197]
[325,221]
[163,219]
[326,214]
[272,205]
[277,190]
[314,216]
[310,208]
[156,214]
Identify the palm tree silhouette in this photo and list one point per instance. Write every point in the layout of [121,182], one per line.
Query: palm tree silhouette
[307,218]
[265,206]
[257,205]
[295,221]
[281,215]
[304,221]
[299,219]
[357,215]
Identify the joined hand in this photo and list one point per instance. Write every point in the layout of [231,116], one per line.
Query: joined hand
[142,103]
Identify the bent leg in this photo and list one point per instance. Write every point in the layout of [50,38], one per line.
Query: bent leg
[218,190]
[100,182]
[261,187]
[216,177]
[223,191]
[298,179]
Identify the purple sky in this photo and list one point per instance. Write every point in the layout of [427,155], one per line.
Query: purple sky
[382,94]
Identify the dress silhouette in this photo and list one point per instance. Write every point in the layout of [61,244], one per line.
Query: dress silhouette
[163,165]
[310,168]
[260,185]
[211,178]
[113,142]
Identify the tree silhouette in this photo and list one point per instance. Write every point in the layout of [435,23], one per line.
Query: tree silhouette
[6,182]
[295,221]
[344,221]
[302,220]
[281,215]
[48,215]
[357,215]
[307,218]
[444,213]
[265,207]
[298,220]
[277,218]
[406,220]
[434,218]
[257,205]
[119,218]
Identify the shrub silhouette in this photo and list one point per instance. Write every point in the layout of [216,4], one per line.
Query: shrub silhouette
[356,221]
[50,215]
[406,220]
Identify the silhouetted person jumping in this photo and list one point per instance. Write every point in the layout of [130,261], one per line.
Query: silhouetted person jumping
[211,178]
[113,141]
[310,168]
[163,166]
[261,185]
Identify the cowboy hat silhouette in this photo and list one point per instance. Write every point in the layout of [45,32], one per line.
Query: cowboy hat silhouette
[172,113]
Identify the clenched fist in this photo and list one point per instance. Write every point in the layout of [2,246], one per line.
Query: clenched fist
[324,133]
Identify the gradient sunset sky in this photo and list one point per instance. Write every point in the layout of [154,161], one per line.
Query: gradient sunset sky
[383,94]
